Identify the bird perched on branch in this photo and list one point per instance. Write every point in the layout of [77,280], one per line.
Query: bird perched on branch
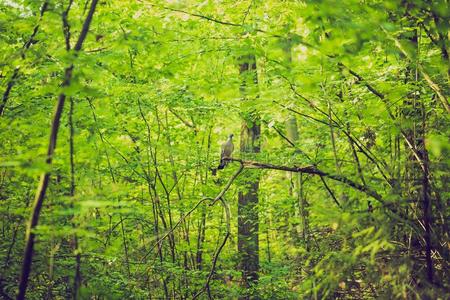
[227,150]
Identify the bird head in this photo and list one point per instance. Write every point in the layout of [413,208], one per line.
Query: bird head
[231,136]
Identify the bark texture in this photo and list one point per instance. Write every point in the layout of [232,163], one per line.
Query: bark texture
[248,223]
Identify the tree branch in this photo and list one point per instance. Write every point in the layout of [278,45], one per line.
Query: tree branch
[214,200]
[211,19]
[66,25]
[309,170]
[26,46]
[434,86]
[391,115]
[330,192]
[356,141]
[177,115]
[219,249]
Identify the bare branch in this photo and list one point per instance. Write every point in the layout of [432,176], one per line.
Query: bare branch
[182,120]
[219,249]
[214,200]
[310,170]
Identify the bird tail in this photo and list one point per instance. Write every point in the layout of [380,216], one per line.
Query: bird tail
[222,164]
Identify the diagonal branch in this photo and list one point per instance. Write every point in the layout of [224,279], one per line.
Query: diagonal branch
[310,170]
[434,86]
[26,46]
[177,115]
[364,82]
[315,171]
[361,147]
[391,115]
[217,253]
[226,23]
[202,16]
[214,200]
[330,192]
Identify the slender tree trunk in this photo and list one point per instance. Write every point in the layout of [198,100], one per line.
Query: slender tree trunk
[201,238]
[202,222]
[77,276]
[293,135]
[427,214]
[303,204]
[414,111]
[248,223]
[45,177]
[113,178]
[269,255]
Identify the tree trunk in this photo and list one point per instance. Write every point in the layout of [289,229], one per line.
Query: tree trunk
[248,222]
[45,177]
[417,176]
[294,136]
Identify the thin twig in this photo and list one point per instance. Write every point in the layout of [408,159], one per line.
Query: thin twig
[434,86]
[217,253]
[330,192]
[214,200]
[26,46]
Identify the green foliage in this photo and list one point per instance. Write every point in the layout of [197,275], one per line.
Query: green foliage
[156,89]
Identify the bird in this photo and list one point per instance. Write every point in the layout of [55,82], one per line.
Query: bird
[227,150]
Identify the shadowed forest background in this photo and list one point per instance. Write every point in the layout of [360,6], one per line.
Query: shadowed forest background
[112,118]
